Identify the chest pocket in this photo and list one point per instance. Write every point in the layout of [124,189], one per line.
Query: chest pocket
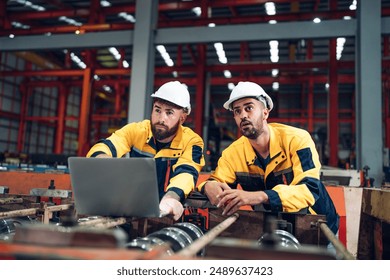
[284,177]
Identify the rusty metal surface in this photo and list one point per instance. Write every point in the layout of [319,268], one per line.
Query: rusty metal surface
[51,235]
[376,203]
[35,252]
[239,249]
[249,225]
[306,230]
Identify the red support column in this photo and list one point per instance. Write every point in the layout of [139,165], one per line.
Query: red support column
[22,121]
[333,110]
[61,111]
[84,113]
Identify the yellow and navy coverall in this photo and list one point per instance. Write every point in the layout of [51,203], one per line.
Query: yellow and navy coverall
[291,178]
[178,165]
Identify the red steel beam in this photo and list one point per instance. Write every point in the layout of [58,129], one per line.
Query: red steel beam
[61,111]
[22,121]
[84,113]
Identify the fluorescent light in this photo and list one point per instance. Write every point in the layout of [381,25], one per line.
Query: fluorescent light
[317,20]
[220,52]
[274,50]
[340,47]
[231,86]
[353,6]
[197,11]
[165,55]
[270,8]
[127,17]
[105,3]
[227,74]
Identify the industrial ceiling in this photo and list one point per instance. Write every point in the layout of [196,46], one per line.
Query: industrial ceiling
[297,60]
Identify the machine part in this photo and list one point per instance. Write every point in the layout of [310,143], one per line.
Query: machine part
[279,238]
[148,243]
[177,237]
[11,200]
[344,177]
[19,213]
[193,231]
[8,226]
[4,189]
[75,236]
[200,243]
[51,193]
[245,249]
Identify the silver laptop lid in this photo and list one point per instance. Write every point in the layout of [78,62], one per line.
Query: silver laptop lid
[125,187]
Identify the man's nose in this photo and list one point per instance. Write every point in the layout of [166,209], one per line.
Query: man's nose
[243,115]
[162,117]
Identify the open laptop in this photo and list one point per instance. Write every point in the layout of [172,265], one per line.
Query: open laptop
[120,187]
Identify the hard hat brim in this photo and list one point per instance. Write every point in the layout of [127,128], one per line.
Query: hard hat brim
[227,104]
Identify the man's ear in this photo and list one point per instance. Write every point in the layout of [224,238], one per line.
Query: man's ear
[265,113]
[183,118]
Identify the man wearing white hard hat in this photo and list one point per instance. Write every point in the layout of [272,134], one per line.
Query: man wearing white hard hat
[276,165]
[177,149]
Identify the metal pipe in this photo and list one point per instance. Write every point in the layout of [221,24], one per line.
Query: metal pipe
[105,223]
[11,200]
[18,213]
[201,242]
[340,248]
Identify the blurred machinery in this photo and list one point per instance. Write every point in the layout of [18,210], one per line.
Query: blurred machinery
[43,225]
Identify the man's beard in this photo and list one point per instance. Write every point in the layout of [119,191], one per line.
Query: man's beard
[250,132]
[161,134]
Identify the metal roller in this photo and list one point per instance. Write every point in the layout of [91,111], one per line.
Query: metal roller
[279,238]
[8,226]
[147,243]
[193,231]
[177,237]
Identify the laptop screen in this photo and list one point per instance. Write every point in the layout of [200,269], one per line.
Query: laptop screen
[121,187]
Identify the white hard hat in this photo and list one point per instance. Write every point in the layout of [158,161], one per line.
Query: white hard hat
[249,89]
[176,93]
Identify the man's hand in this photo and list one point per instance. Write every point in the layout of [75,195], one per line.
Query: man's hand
[213,189]
[233,199]
[170,204]
[103,156]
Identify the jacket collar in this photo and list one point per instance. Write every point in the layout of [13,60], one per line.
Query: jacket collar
[275,147]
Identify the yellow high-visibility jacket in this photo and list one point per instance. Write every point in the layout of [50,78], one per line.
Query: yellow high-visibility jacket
[178,164]
[291,178]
